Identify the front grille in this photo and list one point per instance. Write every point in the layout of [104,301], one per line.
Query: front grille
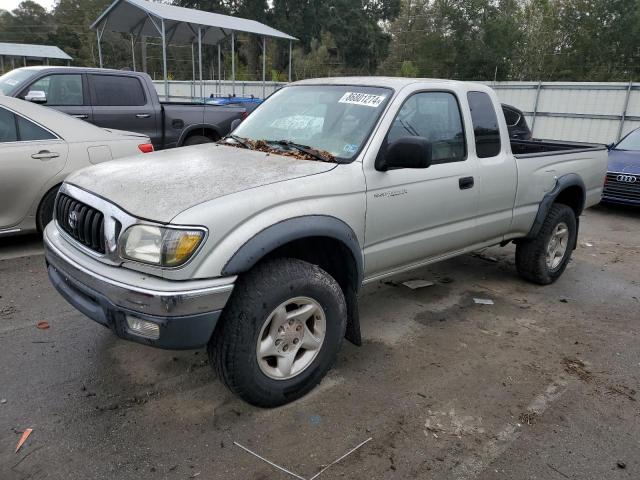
[621,189]
[82,222]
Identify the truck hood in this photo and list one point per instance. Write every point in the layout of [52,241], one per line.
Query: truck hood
[158,186]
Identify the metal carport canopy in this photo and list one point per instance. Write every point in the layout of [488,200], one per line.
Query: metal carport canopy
[179,24]
[25,50]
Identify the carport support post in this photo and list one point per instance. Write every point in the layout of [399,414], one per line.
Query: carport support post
[164,61]
[535,108]
[99,47]
[133,52]
[200,61]
[290,53]
[233,63]
[624,111]
[219,72]
[264,64]
[193,72]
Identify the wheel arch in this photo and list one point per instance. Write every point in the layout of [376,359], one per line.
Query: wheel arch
[323,240]
[204,129]
[569,190]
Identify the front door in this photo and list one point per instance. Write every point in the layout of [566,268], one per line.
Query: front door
[65,92]
[417,214]
[29,156]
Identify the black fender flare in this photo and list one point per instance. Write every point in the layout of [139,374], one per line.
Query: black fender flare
[564,182]
[296,228]
[191,128]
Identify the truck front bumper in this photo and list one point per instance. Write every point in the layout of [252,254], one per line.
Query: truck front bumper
[171,315]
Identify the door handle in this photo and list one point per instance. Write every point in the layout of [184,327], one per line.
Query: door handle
[45,155]
[466,183]
[142,115]
[82,116]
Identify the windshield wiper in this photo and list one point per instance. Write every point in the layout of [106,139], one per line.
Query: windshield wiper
[240,140]
[301,148]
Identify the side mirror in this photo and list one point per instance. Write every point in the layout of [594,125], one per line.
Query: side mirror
[36,96]
[406,152]
[235,124]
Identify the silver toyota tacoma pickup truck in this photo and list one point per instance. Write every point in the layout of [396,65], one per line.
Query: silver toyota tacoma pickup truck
[258,245]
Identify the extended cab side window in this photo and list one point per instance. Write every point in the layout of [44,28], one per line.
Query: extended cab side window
[485,124]
[8,129]
[117,90]
[435,116]
[61,90]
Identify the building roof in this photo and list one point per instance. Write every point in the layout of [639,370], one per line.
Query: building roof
[181,24]
[32,51]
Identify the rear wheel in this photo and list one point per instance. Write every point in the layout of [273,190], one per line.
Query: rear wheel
[45,209]
[544,258]
[280,332]
[196,140]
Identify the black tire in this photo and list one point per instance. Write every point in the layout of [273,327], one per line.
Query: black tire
[233,347]
[531,254]
[45,209]
[196,140]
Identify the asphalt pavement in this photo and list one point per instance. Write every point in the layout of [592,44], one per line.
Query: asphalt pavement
[541,384]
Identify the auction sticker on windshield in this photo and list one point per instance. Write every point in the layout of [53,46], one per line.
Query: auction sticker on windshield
[365,99]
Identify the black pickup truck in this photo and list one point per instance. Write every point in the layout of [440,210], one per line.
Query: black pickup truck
[121,100]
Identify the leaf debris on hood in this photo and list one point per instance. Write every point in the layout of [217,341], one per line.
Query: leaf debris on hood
[263,146]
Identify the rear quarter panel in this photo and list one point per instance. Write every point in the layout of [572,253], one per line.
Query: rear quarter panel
[537,175]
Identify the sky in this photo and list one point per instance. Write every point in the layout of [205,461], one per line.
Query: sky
[11,4]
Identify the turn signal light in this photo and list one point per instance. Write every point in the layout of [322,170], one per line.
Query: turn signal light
[146,148]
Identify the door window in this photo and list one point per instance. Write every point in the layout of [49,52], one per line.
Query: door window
[29,131]
[435,116]
[485,124]
[116,90]
[61,90]
[8,131]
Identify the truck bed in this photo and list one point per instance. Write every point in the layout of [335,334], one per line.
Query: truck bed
[540,148]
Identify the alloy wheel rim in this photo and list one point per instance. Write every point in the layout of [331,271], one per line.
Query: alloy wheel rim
[291,338]
[557,246]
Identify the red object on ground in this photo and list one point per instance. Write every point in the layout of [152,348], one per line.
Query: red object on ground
[23,438]
[43,325]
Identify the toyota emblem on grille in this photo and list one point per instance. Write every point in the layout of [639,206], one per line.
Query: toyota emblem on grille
[627,178]
[73,219]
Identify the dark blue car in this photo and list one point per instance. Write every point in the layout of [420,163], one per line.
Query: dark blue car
[622,184]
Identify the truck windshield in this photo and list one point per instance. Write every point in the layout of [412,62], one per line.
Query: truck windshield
[331,119]
[8,81]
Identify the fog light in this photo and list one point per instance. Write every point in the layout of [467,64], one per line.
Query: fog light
[143,328]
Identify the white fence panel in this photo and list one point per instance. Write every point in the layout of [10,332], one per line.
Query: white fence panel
[575,111]
[181,90]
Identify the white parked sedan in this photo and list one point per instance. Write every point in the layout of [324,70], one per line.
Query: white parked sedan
[39,147]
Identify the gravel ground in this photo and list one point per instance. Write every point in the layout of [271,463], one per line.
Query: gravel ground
[540,385]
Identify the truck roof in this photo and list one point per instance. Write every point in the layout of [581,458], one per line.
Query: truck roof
[390,82]
[54,68]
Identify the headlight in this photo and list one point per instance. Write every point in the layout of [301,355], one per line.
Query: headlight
[165,247]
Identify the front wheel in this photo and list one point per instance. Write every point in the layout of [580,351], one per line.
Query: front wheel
[544,258]
[280,332]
